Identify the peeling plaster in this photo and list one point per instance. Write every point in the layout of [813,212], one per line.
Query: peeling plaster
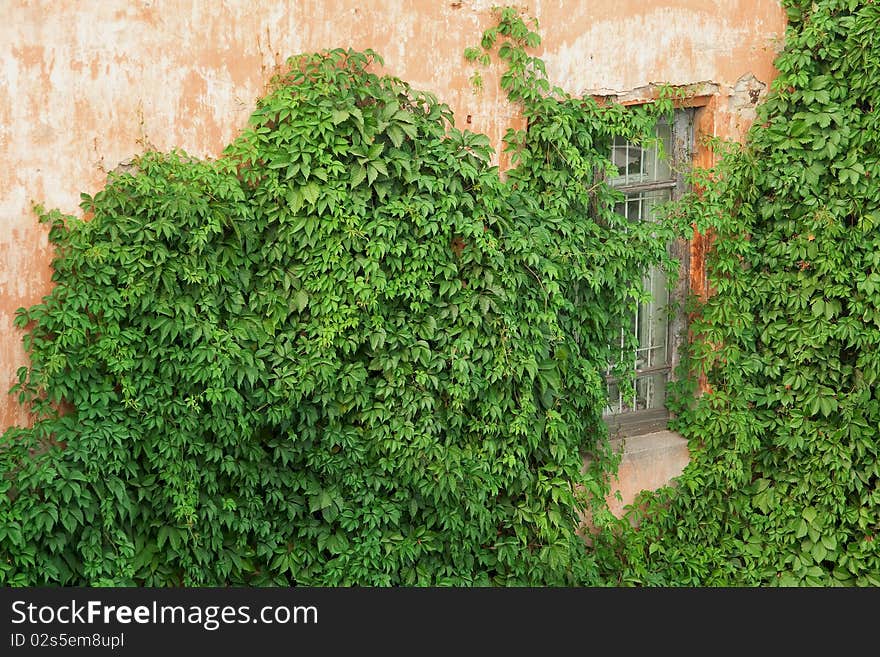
[652,91]
[743,100]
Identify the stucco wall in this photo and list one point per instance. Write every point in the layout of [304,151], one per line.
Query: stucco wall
[85,84]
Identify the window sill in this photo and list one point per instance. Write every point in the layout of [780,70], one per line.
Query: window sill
[637,423]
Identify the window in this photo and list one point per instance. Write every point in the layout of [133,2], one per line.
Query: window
[649,178]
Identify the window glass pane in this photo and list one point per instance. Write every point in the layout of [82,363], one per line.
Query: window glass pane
[631,161]
[635,171]
[614,405]
[634,209]
[650,392]
[619,156]
[659,288]
[657,163]
[650,201]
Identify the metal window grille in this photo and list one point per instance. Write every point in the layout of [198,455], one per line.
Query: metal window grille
[648,178]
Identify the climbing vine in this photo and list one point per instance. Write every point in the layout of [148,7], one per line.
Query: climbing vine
[784,483]
[346,352]
[350,351]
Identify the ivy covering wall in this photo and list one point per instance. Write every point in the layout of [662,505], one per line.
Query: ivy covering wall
[784,483]
[344,353]
[349,351]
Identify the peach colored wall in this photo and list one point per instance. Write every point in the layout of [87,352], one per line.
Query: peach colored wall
[85,84]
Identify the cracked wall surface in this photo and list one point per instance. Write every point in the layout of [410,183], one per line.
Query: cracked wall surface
[84,86]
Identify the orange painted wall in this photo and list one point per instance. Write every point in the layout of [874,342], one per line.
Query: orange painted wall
[86,84]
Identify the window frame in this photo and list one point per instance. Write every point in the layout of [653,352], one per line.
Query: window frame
[681,156]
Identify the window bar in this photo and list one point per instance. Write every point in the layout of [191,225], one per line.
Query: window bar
[640,316]
[656,160]
[651,310]
[635,393]
[622,346]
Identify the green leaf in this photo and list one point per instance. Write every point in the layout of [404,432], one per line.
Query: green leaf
[320,501]
[300,300]
[310,192]
[358,173]
[396,135]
